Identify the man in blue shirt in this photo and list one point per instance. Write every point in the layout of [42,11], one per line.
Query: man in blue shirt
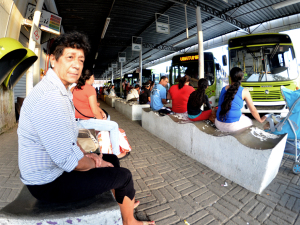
[159,94]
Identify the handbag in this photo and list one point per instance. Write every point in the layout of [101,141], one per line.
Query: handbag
[87,140]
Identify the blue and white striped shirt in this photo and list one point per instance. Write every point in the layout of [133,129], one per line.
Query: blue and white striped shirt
[47,132]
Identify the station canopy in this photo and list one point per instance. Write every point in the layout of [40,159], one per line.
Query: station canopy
[122,19]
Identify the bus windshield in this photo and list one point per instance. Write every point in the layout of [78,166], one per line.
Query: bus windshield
[191,69]
[265,63]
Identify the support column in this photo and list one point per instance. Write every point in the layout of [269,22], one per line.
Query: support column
[121,72]
[200,43]
[112,76]
[32,78]
[141,67]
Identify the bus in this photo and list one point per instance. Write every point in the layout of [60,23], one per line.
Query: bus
[212,72]
[268,62]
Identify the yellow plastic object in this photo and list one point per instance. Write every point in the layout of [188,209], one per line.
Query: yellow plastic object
[17,72]
[11,53]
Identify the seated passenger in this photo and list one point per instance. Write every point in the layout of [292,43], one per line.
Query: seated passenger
[112,92]
[196,100]
[88,112]
[159,94]
[180,93]
[229,115]
[52,166]
[133,94]
[105,91]
[145,94]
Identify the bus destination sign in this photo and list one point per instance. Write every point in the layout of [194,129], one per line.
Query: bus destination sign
[189,58]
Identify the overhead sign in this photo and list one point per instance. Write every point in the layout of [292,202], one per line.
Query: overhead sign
[36,34]
[110,68]
[162,28]
[49,22]
[122,59]
[136,47]
[114,65]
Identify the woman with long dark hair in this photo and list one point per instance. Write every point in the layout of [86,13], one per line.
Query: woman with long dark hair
[229,115]
[88,112]
[180,93]
[196,100]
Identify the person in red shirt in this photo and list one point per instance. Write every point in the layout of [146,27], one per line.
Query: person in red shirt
[180,94]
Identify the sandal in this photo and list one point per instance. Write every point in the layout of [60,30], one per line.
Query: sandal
[127,154]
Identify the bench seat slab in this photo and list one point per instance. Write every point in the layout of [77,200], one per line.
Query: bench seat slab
[250,158]
[25,210]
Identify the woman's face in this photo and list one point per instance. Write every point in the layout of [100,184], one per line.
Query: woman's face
[69,65]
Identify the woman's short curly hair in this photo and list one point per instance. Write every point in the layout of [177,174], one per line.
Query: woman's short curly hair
[72,39]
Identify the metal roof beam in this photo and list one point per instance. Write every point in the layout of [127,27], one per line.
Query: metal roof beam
[212,11]
[145,45]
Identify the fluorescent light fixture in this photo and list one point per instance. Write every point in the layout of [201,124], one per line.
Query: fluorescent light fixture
[184,40]
[94,66]
[284,4]
[105,27]
[96,55]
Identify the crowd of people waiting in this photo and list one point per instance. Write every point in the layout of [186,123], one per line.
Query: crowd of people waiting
[195,103]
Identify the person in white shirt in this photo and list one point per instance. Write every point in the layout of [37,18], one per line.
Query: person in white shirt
[134,93]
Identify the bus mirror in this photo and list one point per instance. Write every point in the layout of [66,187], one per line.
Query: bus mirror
[224,60]
[218,66]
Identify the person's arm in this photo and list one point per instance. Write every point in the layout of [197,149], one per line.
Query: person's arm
[169,95]
[98,113]
[164,101]
[208,106]
[85,164]
[247,97]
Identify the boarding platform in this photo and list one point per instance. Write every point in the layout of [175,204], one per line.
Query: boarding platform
[27,210]
[131,109]
[250,158]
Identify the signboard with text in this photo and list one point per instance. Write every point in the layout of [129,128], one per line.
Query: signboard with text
[48,20]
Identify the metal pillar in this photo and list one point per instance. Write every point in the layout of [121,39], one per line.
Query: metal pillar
[141,67]
[112,76]
[31,77]
[200,43]
[121,72]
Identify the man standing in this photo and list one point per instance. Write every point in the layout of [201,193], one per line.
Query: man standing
[159,94]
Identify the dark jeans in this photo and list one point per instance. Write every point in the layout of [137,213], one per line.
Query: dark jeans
[78,185]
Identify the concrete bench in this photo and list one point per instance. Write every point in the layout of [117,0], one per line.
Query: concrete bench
[132,110]
[26,210]
[250,157]
[111,100]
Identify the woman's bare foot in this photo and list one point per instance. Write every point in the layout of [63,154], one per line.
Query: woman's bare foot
[136,204]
